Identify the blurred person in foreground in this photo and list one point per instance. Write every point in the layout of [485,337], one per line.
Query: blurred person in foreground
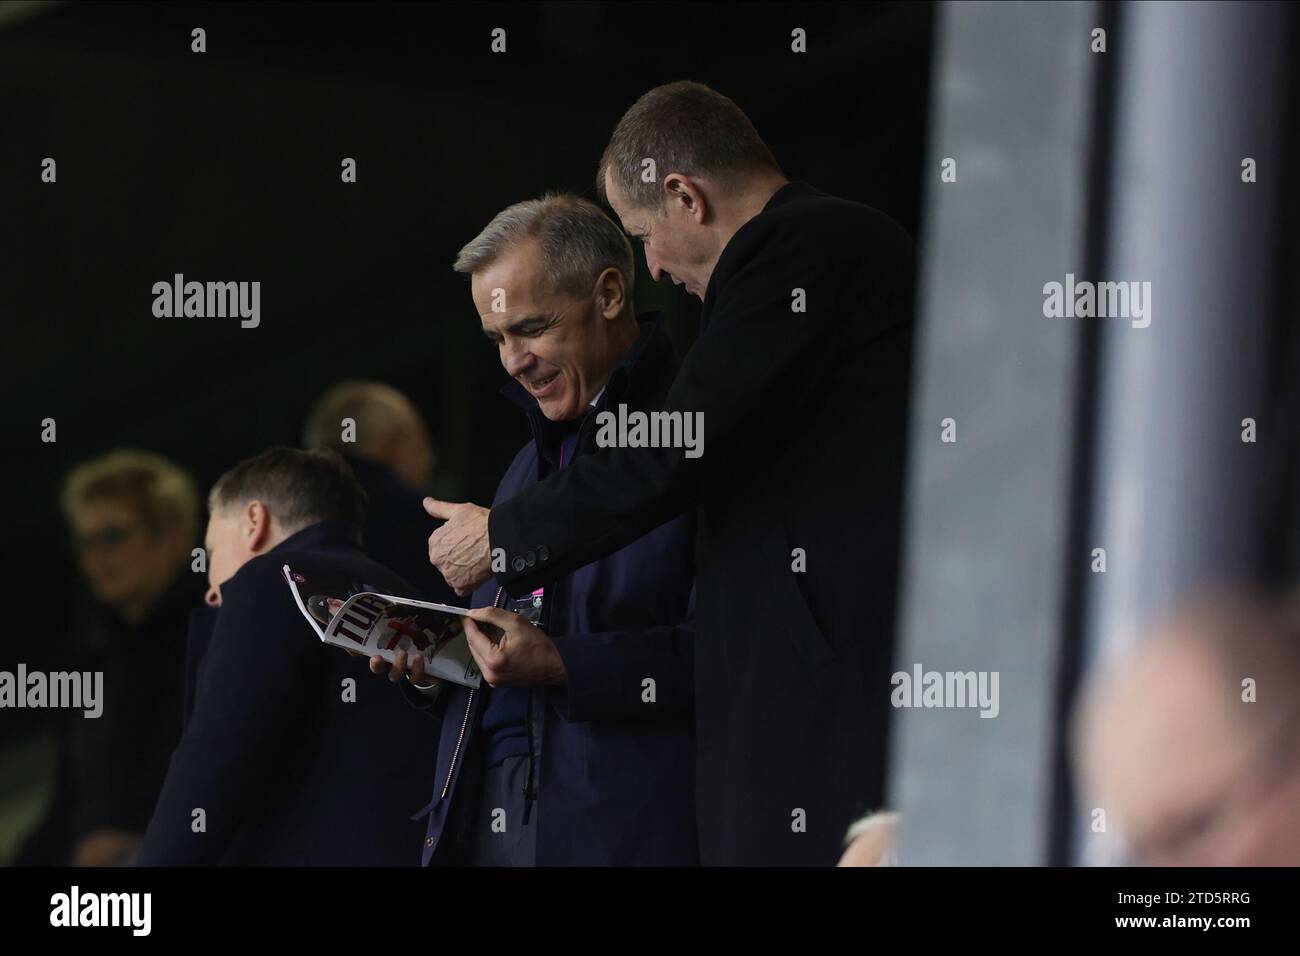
[291,753]
[134,517]
[388,447]
[1191,743]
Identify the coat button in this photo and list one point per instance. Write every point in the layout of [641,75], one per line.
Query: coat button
[543,553]
[428,841]
[531,558]
[517,564]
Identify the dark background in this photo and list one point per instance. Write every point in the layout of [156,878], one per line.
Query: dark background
[225,166]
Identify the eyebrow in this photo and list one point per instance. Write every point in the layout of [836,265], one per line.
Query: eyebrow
[521,323]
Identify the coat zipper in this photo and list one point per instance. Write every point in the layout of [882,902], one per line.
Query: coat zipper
[469,704]
[530,784]
[456,753]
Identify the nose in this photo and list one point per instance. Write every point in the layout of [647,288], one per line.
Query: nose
[515,357]
[652,264]
[213,597]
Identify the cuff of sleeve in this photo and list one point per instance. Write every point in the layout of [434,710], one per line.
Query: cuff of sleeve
[422,698]
[521,578]
[587,684]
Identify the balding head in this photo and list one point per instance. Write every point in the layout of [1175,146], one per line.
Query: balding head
[390,430]
[1190,742]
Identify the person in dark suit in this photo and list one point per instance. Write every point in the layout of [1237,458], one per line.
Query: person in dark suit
[384,438]
[579,748]
[290,755]
[202,623]
[801,375]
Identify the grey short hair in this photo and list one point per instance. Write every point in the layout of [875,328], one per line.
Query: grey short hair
[687,128]
[578,242]
[299,488]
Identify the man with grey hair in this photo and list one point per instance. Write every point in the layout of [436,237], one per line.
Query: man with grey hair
[579,749]
[383,437]
[555,247]
[290,756]
[800,375]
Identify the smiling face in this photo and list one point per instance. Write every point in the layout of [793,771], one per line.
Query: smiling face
[559,347]
[677,244]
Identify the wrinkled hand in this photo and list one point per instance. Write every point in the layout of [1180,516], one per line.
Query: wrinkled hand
[523,656]
[411,666]
[459,549]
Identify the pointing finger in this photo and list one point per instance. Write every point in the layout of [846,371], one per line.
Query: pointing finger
[438,509]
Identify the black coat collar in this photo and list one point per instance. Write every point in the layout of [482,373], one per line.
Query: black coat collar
[322,534]
[795,189]
[791,190]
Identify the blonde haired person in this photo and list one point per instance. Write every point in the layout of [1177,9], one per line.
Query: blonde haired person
[133,517]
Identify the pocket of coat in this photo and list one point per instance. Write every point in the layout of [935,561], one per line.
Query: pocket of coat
[807,635]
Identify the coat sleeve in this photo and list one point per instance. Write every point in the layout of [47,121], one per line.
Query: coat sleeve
[253,698]
[743,375]
[608,673]
[431,700]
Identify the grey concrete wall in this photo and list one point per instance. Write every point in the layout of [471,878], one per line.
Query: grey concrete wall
[988,515]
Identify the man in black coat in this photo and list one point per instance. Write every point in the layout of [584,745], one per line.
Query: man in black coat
[291,755]
[800,374]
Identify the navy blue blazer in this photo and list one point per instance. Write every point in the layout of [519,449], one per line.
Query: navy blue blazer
[614,755]
[294,752]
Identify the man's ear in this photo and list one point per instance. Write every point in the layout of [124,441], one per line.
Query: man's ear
[684,194]
[611,293]
[257,526]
